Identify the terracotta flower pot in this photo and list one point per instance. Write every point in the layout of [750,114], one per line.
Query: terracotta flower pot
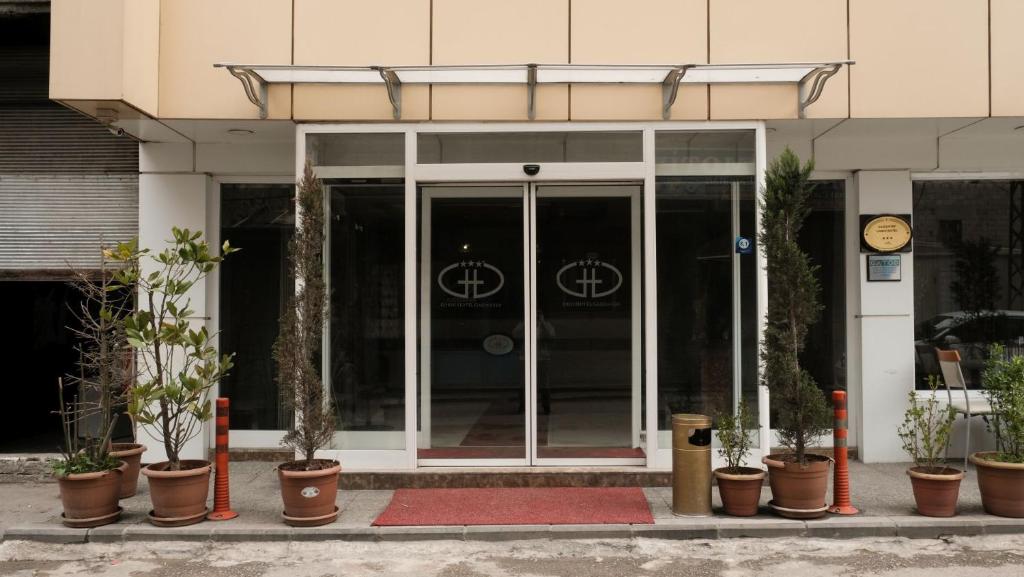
[179,497]
[936,490]
[1001,484]
[309,496]
[90,499]
[131,454]
[740,490]
[798,492]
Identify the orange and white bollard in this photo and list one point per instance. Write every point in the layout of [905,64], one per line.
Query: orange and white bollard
[841,481]
[221,493]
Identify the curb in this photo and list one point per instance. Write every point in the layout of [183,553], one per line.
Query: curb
[910,527]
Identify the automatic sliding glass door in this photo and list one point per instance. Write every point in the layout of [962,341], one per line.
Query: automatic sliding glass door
[530,325]
[586,311]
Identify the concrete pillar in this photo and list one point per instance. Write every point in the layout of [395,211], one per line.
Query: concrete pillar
[886,320]
[171,195]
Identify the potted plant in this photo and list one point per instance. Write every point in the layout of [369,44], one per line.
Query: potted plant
[925,434]
[309,486]
[90,475]
[798,479]
[177,368]
[739,486]
[1001,472]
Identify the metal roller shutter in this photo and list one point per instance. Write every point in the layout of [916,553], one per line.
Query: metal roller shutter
[65,181]
[50,221]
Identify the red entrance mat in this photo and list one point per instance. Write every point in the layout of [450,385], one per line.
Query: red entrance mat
[517,506]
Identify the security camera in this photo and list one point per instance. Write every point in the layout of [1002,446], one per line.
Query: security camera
[531,169]
[116,130]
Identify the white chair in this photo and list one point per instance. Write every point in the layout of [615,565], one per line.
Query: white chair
[949,362]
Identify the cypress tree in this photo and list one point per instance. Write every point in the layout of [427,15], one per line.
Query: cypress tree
[793,305]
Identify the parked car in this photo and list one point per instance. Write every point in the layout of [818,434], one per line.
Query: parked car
[970,333]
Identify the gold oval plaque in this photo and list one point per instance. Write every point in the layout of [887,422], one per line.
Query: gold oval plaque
[887,233]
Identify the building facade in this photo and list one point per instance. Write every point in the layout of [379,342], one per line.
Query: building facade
[541,213]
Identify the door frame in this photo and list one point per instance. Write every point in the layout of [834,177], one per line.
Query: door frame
[415,174]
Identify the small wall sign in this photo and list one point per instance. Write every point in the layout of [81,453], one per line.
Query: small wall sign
[744,245]
[886,233]
[884,267]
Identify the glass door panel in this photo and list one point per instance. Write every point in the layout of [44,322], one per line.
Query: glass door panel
[586,318]
[473,377]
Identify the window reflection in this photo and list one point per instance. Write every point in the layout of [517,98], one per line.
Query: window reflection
[968,272]
[367,362]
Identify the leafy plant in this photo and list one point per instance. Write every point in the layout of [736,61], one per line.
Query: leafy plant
[1004,387]
[297,348]
[102,380]
[177,364]
[926,428]
[793,306]
[736,434]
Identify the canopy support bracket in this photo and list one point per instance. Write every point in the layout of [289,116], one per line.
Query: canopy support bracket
[254,86]
[818,78]
[670,89]
[394,88]
[531,91]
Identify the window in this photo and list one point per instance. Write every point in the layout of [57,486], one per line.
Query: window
[968,272]
[254,287]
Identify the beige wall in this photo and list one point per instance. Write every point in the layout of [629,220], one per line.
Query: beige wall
[196,34]
[1007,58]
[777,31]
[329,32]
[499,32]
[105,50]
[641,31]
[915,58]
[919,58]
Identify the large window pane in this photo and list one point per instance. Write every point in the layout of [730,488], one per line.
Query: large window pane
[254,286]
[696,276]
[367,336]
[968,277]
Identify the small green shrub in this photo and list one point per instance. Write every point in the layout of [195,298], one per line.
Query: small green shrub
[926,428]
[736,434]
[1004,387]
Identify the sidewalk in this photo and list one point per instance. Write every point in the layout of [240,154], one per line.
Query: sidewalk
[31,511]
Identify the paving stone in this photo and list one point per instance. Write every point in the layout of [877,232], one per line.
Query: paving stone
[107,533]
[146,532]
[334,532]
[507,532]
[851,527]
[935,527]
[676,531]
[422,533]
[225,533]
[46,534]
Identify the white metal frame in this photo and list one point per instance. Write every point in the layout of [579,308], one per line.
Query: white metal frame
[244,438]
[414,173]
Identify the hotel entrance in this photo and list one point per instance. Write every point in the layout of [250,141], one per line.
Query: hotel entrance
[530,324]
[532,295]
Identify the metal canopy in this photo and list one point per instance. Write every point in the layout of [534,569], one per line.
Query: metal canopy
[810,77]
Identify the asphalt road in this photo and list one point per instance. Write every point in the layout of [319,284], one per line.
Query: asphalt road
[992,556]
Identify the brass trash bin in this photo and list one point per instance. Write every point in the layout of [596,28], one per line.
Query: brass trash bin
[691,465]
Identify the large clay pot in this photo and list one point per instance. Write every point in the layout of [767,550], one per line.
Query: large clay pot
[90,499]
[309,496]
[936,490]
[131,454]
[1001,484]
[798,492]
[740,490]
[179,497]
